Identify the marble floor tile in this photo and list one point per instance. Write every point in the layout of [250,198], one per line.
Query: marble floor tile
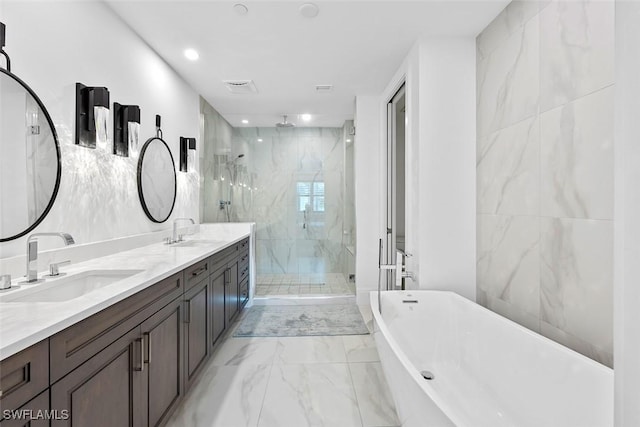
[360,348]
[310,395]
[295,350]
[374,399]
[225,396]
[246,351]
[367,315]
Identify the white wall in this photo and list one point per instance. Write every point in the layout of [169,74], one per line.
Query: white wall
[447,206]
[627,212]
[440,168]
[367,189]
[53,45]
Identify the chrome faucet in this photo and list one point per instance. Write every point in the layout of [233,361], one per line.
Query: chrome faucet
[32,252]
[405,274]
[174,236]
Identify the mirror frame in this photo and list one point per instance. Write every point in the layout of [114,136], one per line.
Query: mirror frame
[57,144]
[175,182]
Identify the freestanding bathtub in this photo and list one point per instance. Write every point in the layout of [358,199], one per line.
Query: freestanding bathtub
[487,370]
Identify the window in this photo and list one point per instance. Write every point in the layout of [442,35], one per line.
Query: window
[312,194]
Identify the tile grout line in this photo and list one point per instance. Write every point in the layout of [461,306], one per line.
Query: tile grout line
[266,388]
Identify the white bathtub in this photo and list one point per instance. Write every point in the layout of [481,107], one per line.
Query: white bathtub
[488,371]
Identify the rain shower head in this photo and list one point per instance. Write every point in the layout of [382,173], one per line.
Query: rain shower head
[234,160]
[284,123]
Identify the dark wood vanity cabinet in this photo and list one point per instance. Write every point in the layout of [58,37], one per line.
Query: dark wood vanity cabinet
[131,363]
[217,282]
[31,413]
[22,377]
[197,326]
[107,390]
[163,383]
[231,291]
[135,381]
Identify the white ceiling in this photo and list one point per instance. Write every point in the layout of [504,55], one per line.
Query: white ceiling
[354,45]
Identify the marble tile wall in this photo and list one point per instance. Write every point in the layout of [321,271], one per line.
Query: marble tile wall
[261,187]
[98,195]
[545,87]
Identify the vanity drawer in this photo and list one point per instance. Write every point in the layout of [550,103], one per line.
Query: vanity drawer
[244,258]
[231,252]
[24,375]
[243,272]
[218,261]
[30,410]
[244,245]
[76,344]
[243,293]
[194,274]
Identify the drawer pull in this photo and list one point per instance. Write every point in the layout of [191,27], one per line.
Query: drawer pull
[141,368]
[199,271]
[146,334]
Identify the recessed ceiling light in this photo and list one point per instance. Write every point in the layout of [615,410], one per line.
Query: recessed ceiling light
[191,54]
[240,9]
[259,139]
[348,140]
[245,121]
[306,117]
[309,10]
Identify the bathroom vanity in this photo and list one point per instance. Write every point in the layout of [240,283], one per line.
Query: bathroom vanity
[124,354]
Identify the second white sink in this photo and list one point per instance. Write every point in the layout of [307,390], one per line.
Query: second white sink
[69,287]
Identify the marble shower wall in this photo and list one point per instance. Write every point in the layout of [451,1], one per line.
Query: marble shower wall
[215,134]
[545,87]
[262,188]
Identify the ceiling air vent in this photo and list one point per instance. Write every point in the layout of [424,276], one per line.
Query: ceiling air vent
[240,86]
[324,88]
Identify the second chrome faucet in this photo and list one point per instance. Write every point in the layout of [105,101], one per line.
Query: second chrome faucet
[32,252]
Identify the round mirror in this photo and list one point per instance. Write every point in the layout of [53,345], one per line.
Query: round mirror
[30,160]
[156,180]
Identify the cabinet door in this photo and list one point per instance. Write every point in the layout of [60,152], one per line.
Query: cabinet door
[163,374]
[27,416]
[231,292]
[23,376]
[196,329]
[106,389]
[217,281]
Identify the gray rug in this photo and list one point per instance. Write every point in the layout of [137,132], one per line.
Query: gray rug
[301,320]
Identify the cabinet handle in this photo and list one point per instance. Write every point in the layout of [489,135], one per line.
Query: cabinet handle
[227,276]
[141,368]
[148,337]
[187,314]
[199,271]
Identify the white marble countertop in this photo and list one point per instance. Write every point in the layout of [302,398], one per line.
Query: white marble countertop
[23,324]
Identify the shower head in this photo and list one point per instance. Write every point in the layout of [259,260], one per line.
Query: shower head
[284,123]
[234,160]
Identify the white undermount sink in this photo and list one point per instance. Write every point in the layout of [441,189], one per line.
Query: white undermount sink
[68,287]
[197,243]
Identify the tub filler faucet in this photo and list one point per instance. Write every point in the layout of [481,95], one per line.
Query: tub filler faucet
[32,252]
[382,267]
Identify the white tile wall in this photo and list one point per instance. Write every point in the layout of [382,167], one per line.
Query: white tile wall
[545,100]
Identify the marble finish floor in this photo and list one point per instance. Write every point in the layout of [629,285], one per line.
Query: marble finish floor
[290,382]
[268,285]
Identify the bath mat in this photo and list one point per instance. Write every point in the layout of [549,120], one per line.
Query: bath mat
[301,320]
